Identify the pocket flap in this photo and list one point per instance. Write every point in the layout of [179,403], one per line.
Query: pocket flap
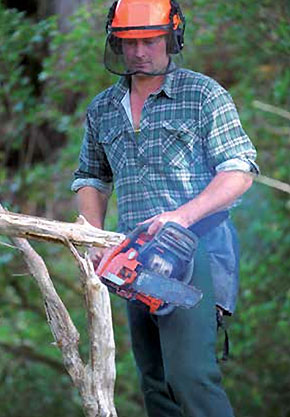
[182,127]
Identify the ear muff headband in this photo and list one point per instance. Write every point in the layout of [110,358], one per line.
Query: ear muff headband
[115,43]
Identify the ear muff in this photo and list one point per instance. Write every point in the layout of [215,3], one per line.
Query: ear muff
[175,41]
[176,36]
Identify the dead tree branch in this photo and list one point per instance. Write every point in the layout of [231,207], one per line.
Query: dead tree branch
[80,233]
[94,380]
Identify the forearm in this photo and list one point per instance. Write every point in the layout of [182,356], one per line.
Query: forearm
[221,192]
[92,204]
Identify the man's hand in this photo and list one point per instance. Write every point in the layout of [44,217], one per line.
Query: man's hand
[96,255]
[177,216]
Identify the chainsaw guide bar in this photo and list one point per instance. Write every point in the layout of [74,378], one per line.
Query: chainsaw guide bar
[170,290]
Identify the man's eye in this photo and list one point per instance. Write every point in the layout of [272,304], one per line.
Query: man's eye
[129,42]
[149,42]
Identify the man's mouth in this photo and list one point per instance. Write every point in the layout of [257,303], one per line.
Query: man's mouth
[140,64]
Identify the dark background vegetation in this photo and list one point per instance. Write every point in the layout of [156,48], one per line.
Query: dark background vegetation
[50,68]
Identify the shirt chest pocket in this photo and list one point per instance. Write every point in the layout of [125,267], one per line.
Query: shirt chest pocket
[113,144]
[179,142]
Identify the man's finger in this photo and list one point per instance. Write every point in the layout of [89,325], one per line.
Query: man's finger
[154,227]
[148,220]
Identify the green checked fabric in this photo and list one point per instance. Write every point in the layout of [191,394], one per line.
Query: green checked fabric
[189,131]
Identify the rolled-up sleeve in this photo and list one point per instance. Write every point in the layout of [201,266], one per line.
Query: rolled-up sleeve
[94,169]
[226,144]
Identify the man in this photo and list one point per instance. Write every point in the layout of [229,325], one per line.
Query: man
[171,142]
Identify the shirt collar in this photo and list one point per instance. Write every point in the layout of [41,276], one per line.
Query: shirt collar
[120,89]
[168,85]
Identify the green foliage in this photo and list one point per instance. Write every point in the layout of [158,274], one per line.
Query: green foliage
[47,78]
[21,43]
[260,329]
[25,382]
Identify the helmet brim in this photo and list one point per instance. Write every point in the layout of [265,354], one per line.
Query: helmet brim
[138,32]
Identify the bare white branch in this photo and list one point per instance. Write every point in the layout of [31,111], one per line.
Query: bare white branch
[8,245]
[94,380]
[80,233]
[271,182]
[271,109]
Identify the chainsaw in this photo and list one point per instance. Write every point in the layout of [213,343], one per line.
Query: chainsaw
[154,271]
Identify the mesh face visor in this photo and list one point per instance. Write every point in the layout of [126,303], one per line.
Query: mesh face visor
[130,54]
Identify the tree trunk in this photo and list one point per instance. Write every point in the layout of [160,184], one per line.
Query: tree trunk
[64,9]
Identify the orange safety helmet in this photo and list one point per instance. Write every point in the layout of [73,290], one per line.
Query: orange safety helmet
[145,19]
[131,19]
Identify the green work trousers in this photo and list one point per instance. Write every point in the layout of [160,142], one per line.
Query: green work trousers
[176,358]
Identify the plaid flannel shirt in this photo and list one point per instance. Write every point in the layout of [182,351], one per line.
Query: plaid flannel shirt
[189,131]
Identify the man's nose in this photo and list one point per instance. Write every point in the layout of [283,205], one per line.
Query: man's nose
[139,49]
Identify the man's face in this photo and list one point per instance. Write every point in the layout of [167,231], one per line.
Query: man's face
[146,55]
